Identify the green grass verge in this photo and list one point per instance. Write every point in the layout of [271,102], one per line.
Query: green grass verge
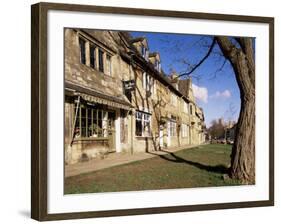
[203,166]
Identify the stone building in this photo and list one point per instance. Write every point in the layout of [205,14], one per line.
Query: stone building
[118,99]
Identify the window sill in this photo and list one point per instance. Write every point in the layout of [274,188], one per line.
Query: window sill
[98,71]
[143,137]
[90,139]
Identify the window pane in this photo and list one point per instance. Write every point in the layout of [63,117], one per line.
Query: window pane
[82,51]
[146,128]
[111,118]
[144,80]
[77,123]
[92,56]
[83,122]
[101,61]
[105,124]
[99,128]
[138,115]
[138,128]
[143,51]
[89,124]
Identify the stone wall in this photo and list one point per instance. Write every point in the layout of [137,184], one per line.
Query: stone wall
[159,102]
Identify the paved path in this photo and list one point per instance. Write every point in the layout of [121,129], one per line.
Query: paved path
[115,159]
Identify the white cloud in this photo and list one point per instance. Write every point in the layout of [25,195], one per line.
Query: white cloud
[200,93]
[222,95]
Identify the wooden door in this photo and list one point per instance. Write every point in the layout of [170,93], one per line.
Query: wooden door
[111,132]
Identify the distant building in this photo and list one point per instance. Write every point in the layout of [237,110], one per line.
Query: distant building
[230,132]
[117,98]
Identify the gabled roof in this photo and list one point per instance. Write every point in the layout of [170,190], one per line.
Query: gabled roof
[161,75]
[137,39]
[153,54]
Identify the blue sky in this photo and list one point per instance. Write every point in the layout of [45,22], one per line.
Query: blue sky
[215,87]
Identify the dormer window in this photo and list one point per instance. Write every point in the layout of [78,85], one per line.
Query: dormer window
[157,66]
[144,52]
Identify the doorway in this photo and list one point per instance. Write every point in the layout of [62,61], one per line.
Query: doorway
[111,131]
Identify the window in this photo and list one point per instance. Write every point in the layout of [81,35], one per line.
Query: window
[143,51]
[82,44]
[91,123]
[144,80]
[101,68]
[148,82]
[143,124]
[108,65]
[190,108]
[173,128]
[185,130]
[157,66]
[93,56]
[138,124]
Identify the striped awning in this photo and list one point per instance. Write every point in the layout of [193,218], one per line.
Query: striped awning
[96,99]
[114,99]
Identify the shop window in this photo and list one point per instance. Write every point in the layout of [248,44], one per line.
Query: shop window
[92,123]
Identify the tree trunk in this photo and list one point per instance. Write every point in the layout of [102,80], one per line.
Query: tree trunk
[243,152]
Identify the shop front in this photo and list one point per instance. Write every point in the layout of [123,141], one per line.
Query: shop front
[92,126]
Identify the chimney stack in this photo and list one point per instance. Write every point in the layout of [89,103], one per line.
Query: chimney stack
[174,79]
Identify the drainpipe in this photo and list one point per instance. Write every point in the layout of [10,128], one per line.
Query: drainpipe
[132,112]
[132,137]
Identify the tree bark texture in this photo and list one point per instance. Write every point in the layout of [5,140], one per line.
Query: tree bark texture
[243,152]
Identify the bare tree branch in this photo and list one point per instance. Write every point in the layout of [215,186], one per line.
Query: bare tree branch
[201,61]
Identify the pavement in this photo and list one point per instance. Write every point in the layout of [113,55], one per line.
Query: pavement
[115,159]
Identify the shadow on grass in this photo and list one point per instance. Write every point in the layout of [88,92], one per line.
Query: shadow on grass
[221,169]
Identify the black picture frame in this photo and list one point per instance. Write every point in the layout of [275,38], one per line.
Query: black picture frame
[39,106]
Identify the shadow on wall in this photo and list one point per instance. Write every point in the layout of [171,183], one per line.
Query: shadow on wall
[144,103]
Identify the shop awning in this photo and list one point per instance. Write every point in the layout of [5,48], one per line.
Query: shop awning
[95,99]
[93,96]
